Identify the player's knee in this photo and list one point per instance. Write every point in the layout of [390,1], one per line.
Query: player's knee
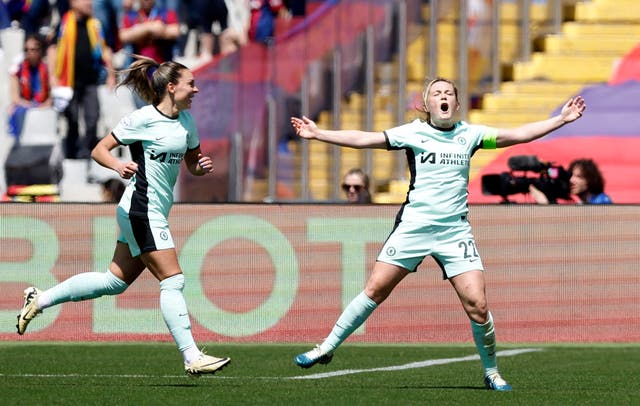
[114,285]
[377,295]
[476,309]
[479,314]
[175,282]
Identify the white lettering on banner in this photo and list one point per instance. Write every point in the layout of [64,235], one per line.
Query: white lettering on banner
[36,270]
[349,232]
[222,246]
[108,318]
[285,285]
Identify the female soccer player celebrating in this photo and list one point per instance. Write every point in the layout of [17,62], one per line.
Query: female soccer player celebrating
[159,136]
[433,220]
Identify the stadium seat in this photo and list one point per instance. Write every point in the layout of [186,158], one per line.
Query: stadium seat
[12,40]
[40,127]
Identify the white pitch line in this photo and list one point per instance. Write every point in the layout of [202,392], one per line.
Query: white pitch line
[413,365]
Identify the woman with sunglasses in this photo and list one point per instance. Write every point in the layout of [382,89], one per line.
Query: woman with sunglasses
[433,220]
[355,185]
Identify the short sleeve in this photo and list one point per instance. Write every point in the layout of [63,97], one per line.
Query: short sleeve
[401,136]
[129,128]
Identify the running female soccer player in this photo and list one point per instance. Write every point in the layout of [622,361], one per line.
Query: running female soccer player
[159,136]
[433,220]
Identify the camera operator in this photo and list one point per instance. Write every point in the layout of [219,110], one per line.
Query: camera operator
[529,175]
[586,182]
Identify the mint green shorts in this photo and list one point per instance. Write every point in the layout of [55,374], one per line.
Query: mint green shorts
[453,247]
[143,234]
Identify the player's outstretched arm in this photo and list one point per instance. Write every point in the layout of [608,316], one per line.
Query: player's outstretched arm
[571,111]
[307,129]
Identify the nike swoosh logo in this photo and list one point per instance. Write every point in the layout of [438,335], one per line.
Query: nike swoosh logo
[220,361]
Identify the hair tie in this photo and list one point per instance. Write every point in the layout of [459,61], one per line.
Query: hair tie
[151,71]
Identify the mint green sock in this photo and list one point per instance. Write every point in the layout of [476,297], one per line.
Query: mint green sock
[175,314]
[84,286]
[484,336]
[351,318]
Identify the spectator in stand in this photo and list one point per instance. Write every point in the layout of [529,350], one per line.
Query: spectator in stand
[151,31]
[33,15]
[81,60]
[239,18]
[355,185]
[203,16]
[29,84]
[263,18]
[110,13]
[586,183]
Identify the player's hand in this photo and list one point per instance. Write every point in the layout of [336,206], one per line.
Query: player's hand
[573,109]
[206,163]
[127,170]
[305,127]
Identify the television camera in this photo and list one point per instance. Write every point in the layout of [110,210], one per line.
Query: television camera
[550,179]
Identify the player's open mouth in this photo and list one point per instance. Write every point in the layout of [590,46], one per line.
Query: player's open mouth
[444,107]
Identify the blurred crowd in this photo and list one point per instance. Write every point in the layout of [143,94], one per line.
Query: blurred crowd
[59,59]
[221,25]
[71,47]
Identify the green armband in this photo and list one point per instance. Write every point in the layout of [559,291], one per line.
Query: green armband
[489,141]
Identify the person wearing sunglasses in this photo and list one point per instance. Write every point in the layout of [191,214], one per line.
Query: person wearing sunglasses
[433,220]
[355,185]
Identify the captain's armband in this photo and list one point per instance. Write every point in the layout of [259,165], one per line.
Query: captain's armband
[489,140]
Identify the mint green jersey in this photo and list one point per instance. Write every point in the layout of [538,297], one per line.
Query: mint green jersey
[157,144]
[438,162]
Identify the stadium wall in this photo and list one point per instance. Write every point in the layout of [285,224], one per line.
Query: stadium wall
[282,273]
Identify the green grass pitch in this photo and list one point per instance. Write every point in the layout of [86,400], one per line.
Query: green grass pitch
[368,374]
